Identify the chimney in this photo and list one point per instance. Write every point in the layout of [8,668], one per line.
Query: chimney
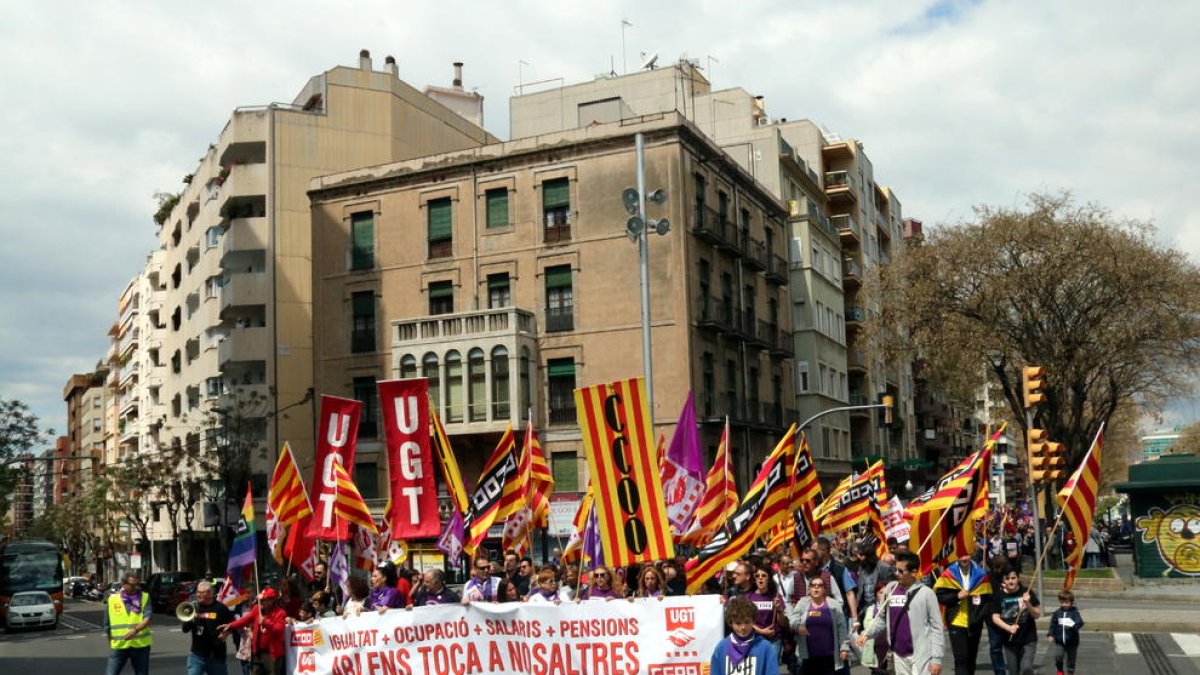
[458,75]
[390,66]
[364,60]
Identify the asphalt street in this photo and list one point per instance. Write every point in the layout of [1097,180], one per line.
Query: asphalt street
[78,646]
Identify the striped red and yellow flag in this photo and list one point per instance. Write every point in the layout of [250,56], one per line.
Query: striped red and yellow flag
[496,495]
[448,462]
[286,495]
[631,511]
[348,503]
[573,551]
[1078,502]
[541,479]
[719,500]
[858,500]
[835,496]
[938,517]
[765,506]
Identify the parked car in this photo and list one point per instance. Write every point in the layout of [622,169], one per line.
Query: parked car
[163,588]
[31,609]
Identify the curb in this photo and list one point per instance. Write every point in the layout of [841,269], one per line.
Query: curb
[1133,594]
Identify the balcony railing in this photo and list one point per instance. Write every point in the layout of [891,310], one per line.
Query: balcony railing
[845,225]
[560,319]
[855,313]
[777,269]
[716,312]
[851,269]
[492,322]
[840,183]
[710,226]
[362,340]
[557,228]
[754,253]
[441,248]
[562,411]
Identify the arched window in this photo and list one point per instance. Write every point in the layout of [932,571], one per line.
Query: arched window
[454,386]
[477,390]
[429,370]
[523,380]
[500,408]
[408,367]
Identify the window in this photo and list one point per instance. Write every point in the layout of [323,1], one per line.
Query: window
[731,387]
[441,228]
[499,294]
[96,421]
[368,420]
[362,240]
[802,376]
[565,467]
[454,386]
[366,479]
[441,297]
[429,371]
[556,209]
[560,375]
[497,207]
[523,389]
[96,403]
[708,383]
[500,398]
[706,308]
[212,237]
[408,367]
[214,386]
[362,328]
[477,389]
[723,207]
[560,305]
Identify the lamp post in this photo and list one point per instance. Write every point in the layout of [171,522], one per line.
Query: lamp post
[638,229]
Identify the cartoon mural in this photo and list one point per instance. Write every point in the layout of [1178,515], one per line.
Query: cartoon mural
[1177,534]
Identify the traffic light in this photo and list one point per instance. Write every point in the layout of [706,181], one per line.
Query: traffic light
[889,406]
[1046,459]
[1031,384]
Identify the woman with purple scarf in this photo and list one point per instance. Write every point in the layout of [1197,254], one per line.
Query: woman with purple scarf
[769,621]
[384,595]
[822,644]
[744,652]
[599,585]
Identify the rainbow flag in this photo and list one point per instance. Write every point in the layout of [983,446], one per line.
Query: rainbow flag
[241,551]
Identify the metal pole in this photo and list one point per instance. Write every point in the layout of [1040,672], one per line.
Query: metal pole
[644,262]
[1033,501]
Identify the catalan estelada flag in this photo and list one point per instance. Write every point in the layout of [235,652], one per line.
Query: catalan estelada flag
[286,495]
[348,503]
[631,511]
[496,495]
[1078,502]
[720,497]
[241,551]
[765,506]
[938,516]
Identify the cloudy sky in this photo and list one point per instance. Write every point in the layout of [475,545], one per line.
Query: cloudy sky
[957,103]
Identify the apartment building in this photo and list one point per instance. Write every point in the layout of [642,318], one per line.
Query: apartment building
[87,397]
[504,275]
[841,224]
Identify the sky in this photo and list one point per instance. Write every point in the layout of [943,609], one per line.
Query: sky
[957,104]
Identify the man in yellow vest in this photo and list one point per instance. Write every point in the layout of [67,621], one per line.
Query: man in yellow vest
[127,624]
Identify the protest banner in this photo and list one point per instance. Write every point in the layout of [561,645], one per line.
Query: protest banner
[671,636]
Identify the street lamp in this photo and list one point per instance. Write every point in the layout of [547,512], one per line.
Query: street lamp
[638,229]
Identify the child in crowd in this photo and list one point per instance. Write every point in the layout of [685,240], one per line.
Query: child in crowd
[1064,633]
[743,652]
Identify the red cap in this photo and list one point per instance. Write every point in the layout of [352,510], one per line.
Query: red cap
[268,594]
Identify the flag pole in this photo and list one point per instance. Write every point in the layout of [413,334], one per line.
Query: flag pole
[1058,520]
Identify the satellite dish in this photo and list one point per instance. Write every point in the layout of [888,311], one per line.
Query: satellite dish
[630,197]
[649,64]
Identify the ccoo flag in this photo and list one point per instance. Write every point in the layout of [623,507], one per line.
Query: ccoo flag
[497,492]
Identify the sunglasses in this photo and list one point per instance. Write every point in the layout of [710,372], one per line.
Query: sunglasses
[816,585]
[600,575]
[482,567]
[806,561]
[762,576]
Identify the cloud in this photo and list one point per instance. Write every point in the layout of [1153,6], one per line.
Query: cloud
[957,102]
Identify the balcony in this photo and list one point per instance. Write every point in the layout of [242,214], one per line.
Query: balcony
[884,227]
[560,319]
[777,269]
[708,225]
[856,362]
[128,342]
[851,272]
[441,248]
[562,412]
[129,373]
[128,405]
[484,324]
[249,289]
[846,227]
[557,229]
[244,344]
[781,344]
[759,333]
[715,313]
[754,253]
[840,186]
[245,180]
[245,235]
[855,315]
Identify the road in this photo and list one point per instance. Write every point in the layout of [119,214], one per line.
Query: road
[78,646]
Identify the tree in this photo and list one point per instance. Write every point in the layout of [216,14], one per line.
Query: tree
[20,432]
[1112,315]
[1189,439]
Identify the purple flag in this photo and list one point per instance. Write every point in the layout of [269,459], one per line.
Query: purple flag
[683,469]
[451,541]
[339,569]
[593,547]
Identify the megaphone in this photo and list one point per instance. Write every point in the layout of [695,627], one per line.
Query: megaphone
[185,611]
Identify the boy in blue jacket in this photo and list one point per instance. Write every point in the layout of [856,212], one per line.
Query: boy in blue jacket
[1064,633]
[743,652]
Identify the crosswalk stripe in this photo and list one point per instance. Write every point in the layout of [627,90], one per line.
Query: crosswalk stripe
[1123,643]
[1188,642]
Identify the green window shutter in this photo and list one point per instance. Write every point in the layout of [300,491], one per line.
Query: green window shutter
[497,207]
[441,289]
[556,193]
[363,304]
[560,368]
[558,277]
[362,234]
[498,281]
[440,221]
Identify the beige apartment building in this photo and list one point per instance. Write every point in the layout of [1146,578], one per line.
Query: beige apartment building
[218,325]
[841,224]
[504,275]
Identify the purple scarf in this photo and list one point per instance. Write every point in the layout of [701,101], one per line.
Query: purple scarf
[133,603]
[738,648]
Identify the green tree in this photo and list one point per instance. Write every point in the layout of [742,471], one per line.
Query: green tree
[1112,315]
[20,432]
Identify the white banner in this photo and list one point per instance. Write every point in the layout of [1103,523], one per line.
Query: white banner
[673,636]
[894,523]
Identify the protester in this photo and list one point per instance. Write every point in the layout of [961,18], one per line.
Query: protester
[651,583]
[322,602]
[1065,625]
[268,622]
[996,637]
[482,586]
[360,590]
[741,579]
[433,590]
[966,593]
[524,575]
[769,619]
[820,625]
[742,652]
[384,594]
[127,625]
[508,592]
[546,590]
[599,585]
[570,581]
[912,622]
[289,597]
[874,650]
[207,654]
[1014,611]
[837,572]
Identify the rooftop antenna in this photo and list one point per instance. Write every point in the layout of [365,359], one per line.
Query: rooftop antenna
[625,23]
[520,75]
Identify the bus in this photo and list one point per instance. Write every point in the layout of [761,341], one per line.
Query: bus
[30,566]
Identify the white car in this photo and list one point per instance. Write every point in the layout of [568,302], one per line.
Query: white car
[32,609]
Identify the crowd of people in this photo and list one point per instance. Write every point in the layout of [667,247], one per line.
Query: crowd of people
[816,611]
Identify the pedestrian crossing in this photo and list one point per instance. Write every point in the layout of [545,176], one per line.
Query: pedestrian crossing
[1173,644]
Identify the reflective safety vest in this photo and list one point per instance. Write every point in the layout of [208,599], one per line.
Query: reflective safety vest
[121,622]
